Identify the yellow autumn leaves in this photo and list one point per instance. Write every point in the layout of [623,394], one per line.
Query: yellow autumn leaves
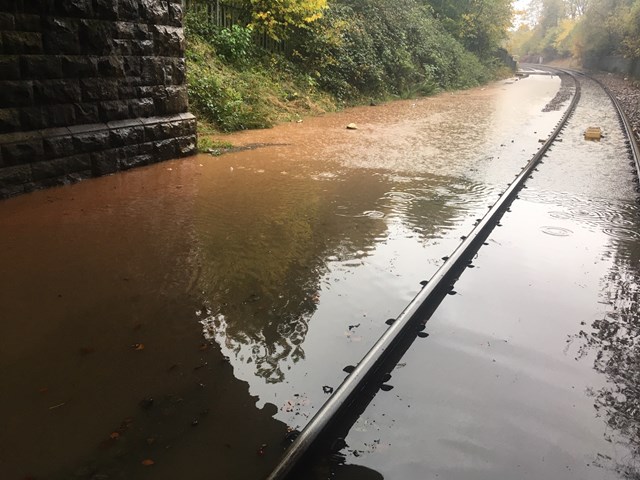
[277,17]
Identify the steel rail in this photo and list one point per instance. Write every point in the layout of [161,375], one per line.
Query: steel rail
[414,314]
[626,124]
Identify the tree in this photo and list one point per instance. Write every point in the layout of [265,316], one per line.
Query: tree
[277,18]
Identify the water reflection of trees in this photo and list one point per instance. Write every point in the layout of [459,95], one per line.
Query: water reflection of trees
[616,341]
[264,244]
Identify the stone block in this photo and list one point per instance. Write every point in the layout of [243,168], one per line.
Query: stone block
[86,112]
[130,151]
[26,151]
[111,66]
[7,21]
[106,161]
[152,70]
[135,161]
[155,11]
[9,67]
[113,110]
[105,9]
[147,148]
[59,115]
[60,36]
[32,118]
[58,146]
[76,66]
[126,91]
[91,141]
[187,145]
[176,100]
[56,91]
[9,120]
[79,176]
[96,37]
[125,30]
[169,41]
[17,175]
[25,22]
[94,89]
[25,43]
[61,43]
[175,14]
[16,94]
[128,9]
[142,47]
[122,47]
[40,66]
[60,166]
[141,32]
[142,107]
[74,8]
[179,71]
[165,149]
[132,66]
[153,132]
[11,191]
[121,137]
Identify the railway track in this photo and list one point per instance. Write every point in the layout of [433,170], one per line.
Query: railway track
[336,416]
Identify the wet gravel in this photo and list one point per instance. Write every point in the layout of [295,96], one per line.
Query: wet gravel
[627,90]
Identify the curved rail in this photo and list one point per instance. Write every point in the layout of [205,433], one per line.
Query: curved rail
[626,125]
[415,314]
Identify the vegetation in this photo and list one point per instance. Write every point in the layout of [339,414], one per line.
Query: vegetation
[579,29]
[325,54]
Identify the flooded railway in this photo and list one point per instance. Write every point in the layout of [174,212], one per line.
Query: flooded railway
[178,321]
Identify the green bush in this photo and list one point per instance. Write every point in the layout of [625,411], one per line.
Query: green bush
[374,48]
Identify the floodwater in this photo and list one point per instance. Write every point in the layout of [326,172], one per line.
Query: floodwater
[531,369]
[177,321]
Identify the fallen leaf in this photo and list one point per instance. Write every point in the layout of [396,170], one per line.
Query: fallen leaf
[148,462]
[114,436]
[138,346]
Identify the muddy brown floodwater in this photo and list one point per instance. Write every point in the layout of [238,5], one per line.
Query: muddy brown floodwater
[175,321]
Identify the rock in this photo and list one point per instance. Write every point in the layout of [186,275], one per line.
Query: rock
[352,126]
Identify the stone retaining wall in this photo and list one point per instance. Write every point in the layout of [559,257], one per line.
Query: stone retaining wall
[89,87]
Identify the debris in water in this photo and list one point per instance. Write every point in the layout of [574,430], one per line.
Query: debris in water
[53,407]
[114,436]
[349,369]
[262,449]
[338,444]
[385,388]
[423,334]
[148,462]
[390,321]
[327,389]
[351,327]
[138,346]
[194,422]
